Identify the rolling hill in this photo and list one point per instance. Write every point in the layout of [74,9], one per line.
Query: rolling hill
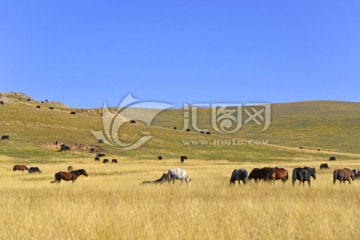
[332,127]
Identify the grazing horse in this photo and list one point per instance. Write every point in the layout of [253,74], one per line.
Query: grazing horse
[34,170]
[178,174]
[343,175]
[324,166]
[161,180]
[280,174]
[183,158]
[303,175]
[356,174]
[261,174]
[69,176]
[238,175]
[20,168]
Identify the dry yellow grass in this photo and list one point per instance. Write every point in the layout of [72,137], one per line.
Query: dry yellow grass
[110,203]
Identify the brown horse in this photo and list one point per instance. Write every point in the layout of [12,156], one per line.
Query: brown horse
[280,174]
[343,175]
[20,168]
[69,176]
[163,179]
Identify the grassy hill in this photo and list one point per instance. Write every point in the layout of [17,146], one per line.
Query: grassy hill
[331,126]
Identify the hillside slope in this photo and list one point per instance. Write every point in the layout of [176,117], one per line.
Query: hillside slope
[313,125]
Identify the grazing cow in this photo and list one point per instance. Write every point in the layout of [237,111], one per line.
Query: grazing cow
[132,121]
[160,157]
[324,166]
[101,140]
[65,148]
[34,170]
[97,159]
[100,155]
[318,149]
[260,174]
[332,158]
[163,179]
[5,137]
[303,175]
[73,113]
[188,130]
[343,175]
[28,99]
[51,108]
[69,176]
[20,168]
[208,133]
[105,160]
[38,106]
[92,150]
[238,175]
[178,174]
[2,102]
[70,168]
[301,147]
[175,128]
[356,174]
[114,161]
[279,174]
[183,158]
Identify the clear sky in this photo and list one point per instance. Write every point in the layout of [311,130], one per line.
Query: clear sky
[85,52]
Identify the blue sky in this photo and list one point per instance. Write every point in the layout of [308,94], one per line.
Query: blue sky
[85,53]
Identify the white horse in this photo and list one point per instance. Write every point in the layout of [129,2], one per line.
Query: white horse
[178,173]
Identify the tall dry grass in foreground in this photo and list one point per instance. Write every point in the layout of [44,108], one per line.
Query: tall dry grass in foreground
[110,204]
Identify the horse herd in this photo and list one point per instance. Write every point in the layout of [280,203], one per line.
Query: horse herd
[301,174]
[266,174]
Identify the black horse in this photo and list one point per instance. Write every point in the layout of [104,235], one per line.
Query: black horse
[303,175]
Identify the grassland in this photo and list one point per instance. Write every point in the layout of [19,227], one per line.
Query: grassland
[110,203]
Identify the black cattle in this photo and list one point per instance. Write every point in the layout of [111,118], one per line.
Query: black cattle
[175,128]
[38,106]
[34,170]
[188,130]
[356,174]
[332,158]
[208,133]
[261,174]
[2,102]
[114,161]
[51,108]
[101,140]
[105,160]
[160,157]
[101,155]
[97,159]
[183,158]
[132,121]
[92,150]
[301,147]
[5,137]
[28,99]
[318,149]
[73,113]
[303,175]
[324,166]
[65,148]
[238,175]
